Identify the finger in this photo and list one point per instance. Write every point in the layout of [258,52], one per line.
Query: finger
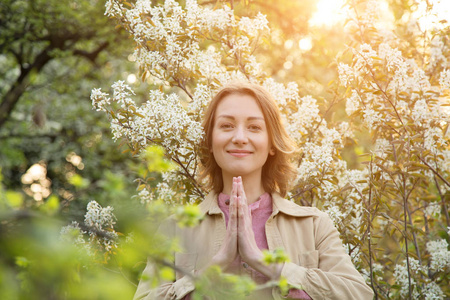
[241,191]
[233,207]
[234,188]
[242,212]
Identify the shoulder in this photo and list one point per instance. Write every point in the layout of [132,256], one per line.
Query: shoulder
[291,208]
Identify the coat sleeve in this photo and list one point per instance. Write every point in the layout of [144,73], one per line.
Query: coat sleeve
[165,290]
[336,277]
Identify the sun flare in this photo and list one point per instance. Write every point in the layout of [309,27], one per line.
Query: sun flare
[429,19]
[329,12]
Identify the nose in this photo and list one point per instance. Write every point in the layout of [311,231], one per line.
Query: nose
[239,136]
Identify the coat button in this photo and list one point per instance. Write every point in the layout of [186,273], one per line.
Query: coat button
[227,202]
[245,265]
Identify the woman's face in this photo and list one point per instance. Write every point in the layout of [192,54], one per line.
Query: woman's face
[240,140]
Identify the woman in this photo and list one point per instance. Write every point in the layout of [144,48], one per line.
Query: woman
[246,157]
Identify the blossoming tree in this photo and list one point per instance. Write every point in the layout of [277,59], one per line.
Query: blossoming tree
[392,211]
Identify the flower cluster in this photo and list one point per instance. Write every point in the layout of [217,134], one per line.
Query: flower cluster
[401,274]
[440,255]
[444,79]
[99,223]
[430,290]
[74,234]
[99,218]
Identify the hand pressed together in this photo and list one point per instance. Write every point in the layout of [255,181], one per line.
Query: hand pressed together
[240,238]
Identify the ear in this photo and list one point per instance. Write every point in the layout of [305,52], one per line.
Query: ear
[272,151]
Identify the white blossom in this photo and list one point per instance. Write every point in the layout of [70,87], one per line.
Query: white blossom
[403,277]
[364,58]
[353,103]
[73,233]
[433,139]
[432,291]
[334,212]
[382,146]
[402,107]
[419,80]
[345,130]
[100,100]
[304,118]
[252,26]
[444,79]
[437,50]
[357,178]
[372,118]
[440,255]
[145,196]
[355,254]
[98,217]
[433,209]
[282,94]
[392,56]
[371,14]
[165,193]
[420,112]
[113,8]
[346,74]
[122,93]
[202,97]
[101,220]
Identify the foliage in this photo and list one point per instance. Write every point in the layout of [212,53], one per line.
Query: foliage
[52,59]
[56,154]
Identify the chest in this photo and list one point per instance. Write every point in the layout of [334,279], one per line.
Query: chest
[296,236]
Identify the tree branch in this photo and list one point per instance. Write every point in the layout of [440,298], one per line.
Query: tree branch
[13,95]
[92,56]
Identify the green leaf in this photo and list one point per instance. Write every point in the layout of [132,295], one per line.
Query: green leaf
[276,256]
[167,274]
[78,181]
[22,261]
[14,199]
[51,205]
[156,161]
[188,215]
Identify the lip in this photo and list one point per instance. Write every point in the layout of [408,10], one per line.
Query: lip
[239,153]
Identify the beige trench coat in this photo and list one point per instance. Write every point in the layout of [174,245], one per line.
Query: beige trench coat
[318,261]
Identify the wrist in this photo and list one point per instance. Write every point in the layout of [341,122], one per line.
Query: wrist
[273,271]
[221,261]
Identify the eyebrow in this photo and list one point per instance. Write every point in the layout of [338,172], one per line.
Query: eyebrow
[232,117]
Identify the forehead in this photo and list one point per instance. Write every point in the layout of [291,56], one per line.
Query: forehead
[239,105]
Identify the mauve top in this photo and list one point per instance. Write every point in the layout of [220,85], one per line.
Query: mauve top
[260,212]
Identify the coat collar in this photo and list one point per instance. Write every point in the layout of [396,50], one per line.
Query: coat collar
[290,208]
[209,206]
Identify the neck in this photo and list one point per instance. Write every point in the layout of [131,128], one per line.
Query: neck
[253,186]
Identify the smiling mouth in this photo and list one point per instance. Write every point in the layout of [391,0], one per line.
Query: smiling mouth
[239,153]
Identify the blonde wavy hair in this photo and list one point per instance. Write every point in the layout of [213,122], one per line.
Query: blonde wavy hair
[278,171]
